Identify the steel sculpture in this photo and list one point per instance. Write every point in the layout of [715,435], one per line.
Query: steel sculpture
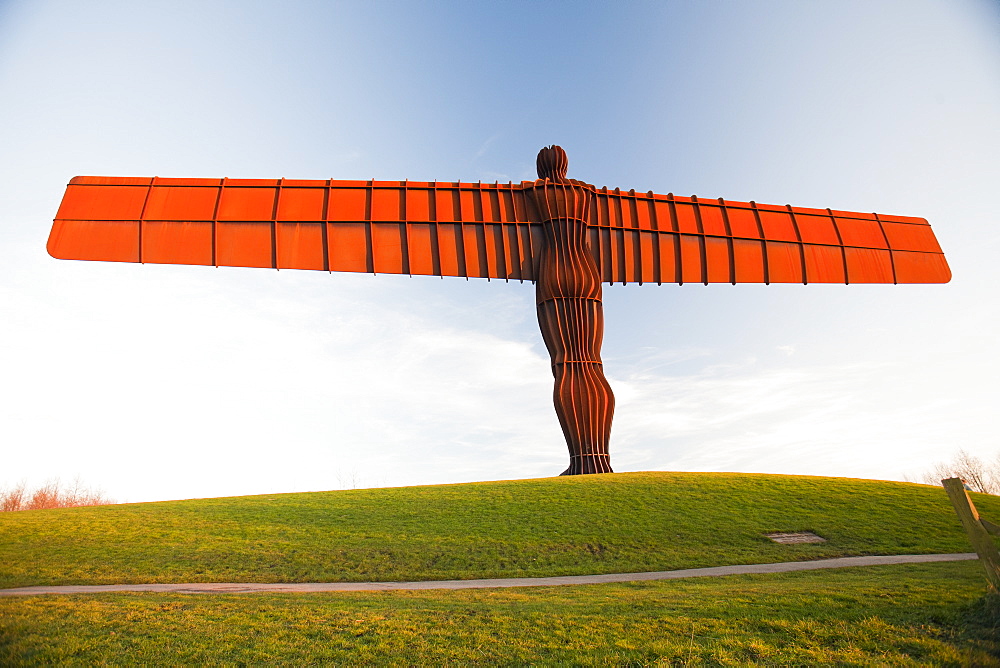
[566,236]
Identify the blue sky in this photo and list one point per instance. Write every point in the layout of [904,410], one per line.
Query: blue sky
[156,382]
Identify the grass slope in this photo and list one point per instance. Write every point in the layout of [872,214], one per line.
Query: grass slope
[555,526]
[916,615]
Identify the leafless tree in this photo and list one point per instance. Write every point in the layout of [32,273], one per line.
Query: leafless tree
[980,476]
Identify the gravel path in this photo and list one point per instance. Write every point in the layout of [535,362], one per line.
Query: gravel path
[253,587]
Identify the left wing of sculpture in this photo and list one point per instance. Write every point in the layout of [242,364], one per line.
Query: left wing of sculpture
[384,227]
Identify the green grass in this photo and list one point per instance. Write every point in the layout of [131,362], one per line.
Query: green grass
[555,526]
[928,614]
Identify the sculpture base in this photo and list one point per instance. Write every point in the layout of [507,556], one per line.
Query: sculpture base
[588,464]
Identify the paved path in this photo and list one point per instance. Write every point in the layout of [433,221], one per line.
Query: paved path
[253,587]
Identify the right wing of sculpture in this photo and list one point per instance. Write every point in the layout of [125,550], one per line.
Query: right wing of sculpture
[385,227]
[647,238]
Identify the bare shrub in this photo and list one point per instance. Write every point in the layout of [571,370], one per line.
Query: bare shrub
[13,498]
[979,475]
[46,496]
[51,495]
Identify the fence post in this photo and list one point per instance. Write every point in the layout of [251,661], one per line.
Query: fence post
[975,529]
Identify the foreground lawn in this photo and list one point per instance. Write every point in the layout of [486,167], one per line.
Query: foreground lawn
[625,522]
[929,614]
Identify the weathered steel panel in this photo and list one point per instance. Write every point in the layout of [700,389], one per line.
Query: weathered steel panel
[300,245]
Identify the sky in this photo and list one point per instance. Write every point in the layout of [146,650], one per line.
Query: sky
[156,382]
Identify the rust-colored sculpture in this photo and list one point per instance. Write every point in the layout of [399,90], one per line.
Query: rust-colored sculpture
[570,314]
[565,235]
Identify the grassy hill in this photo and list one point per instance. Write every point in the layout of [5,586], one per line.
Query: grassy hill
[624,522]
[920,614]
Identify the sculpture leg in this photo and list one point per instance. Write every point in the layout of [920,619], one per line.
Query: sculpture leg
[573,329]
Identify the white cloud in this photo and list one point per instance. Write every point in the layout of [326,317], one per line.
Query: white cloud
[850,420]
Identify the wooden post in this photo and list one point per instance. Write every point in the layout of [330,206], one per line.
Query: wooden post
[977,530]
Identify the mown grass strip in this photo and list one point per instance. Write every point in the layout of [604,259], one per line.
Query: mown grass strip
[554,526]
[928,614]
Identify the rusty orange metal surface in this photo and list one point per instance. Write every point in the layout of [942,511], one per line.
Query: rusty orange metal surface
[480,230]
[566,236]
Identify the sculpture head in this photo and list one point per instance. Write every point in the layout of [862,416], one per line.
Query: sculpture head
[552,163]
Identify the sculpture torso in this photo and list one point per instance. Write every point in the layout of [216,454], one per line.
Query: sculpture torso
[566,267]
